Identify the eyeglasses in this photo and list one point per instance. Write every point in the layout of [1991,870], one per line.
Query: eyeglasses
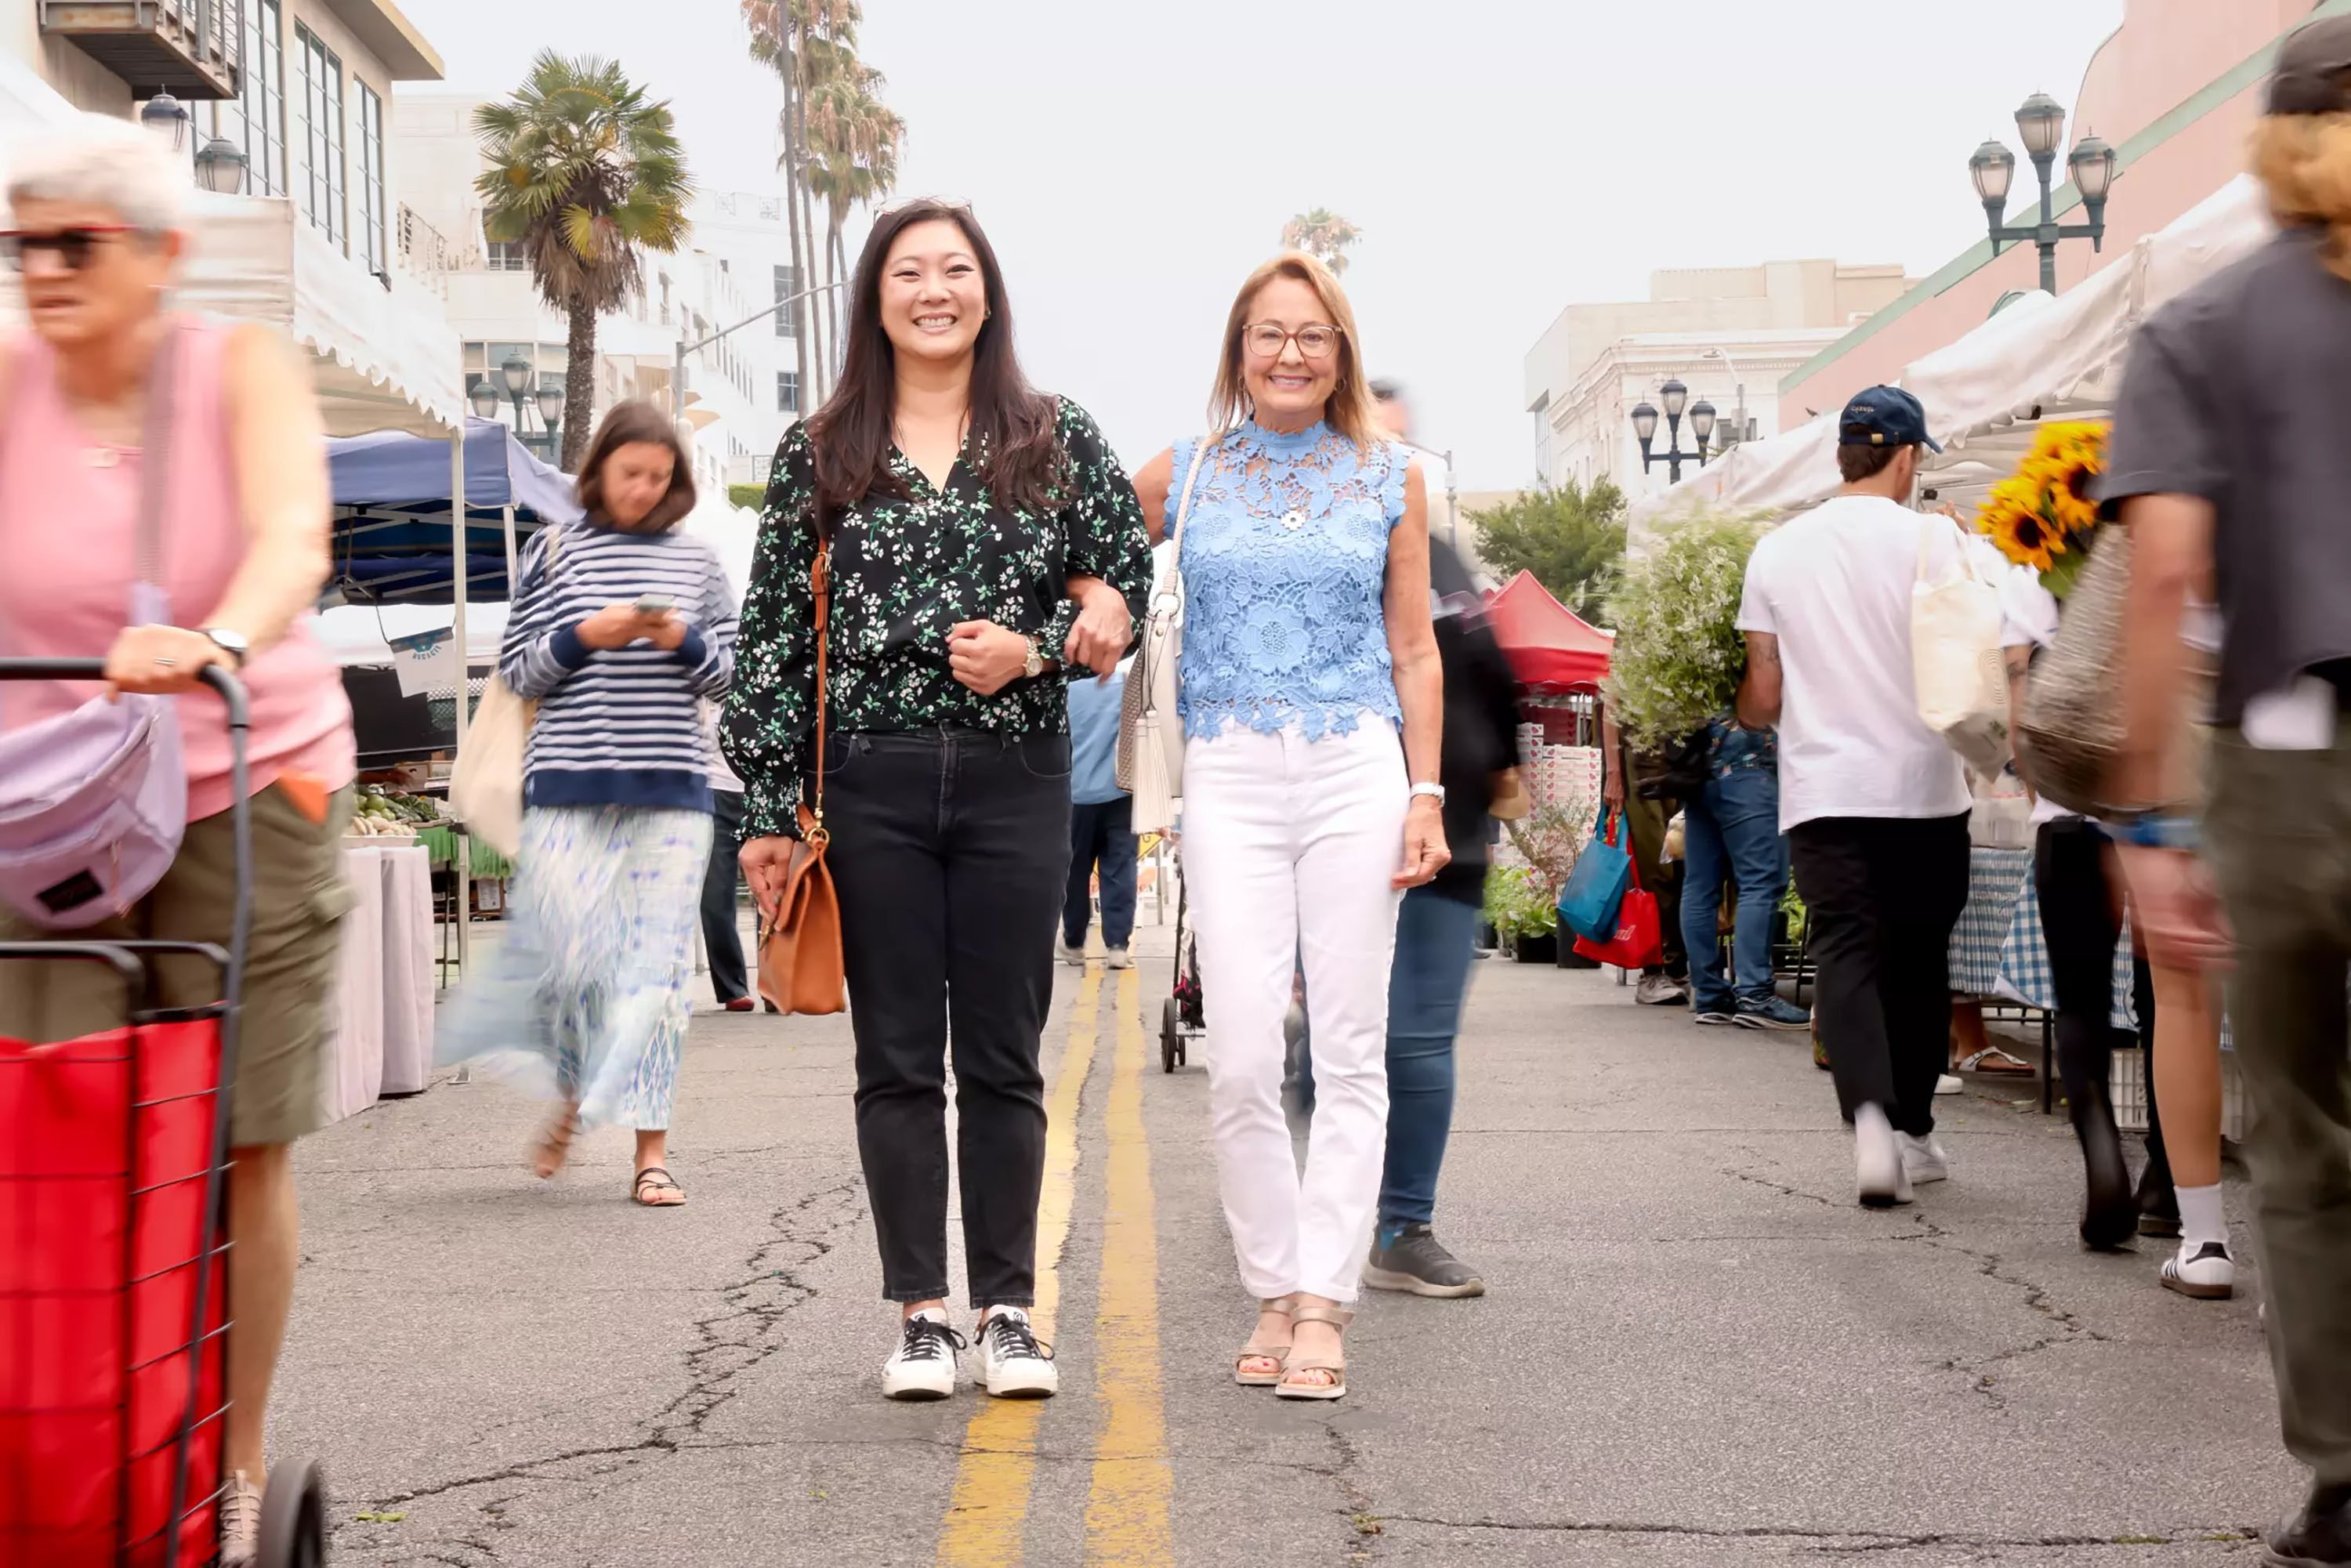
[1267,339]
[72,247]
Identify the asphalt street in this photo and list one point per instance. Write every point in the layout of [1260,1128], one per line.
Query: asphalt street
[1695,1349]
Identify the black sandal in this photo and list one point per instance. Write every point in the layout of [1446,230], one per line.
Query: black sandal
[653,1178]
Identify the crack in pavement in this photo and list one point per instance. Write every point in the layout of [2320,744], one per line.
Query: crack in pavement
[739,1337]
[2066,1328]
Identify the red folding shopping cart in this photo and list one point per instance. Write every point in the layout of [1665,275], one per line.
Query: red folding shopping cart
[113,1249]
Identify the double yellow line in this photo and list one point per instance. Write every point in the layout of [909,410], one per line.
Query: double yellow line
[1127,1504]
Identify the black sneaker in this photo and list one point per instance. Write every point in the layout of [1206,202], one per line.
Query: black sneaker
[2159,1207]
[1414,1262]
[2317,1537]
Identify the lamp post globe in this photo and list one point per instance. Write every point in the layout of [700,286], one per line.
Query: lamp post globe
[167,116]
[485,400]
[1701,418]
[1992,168]
[2092,168]
[516,374]
[550,405]
[2041,121]
[1644,422]
[220,167]
[1676,397]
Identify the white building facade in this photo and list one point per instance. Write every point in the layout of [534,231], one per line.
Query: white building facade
[741,393]
[1727,334]
[294,94]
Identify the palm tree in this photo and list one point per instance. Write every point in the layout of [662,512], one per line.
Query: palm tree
[855,140]
[584,173]
[799,39]
[1322,233]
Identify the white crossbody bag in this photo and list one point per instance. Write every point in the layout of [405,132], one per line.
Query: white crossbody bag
[1150,763]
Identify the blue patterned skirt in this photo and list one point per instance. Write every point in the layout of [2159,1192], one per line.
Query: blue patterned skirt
[586,998]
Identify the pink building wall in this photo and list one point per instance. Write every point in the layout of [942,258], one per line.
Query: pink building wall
[2165,54]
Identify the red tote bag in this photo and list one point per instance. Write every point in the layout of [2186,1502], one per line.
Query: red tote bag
[1639,941]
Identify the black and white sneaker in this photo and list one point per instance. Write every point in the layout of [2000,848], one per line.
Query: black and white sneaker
[1011,1363]
[2203,1271]
[924,1364]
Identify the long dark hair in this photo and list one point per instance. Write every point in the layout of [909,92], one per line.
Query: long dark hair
[1013,438]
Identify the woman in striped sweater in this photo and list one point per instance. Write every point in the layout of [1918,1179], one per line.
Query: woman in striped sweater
[622,628]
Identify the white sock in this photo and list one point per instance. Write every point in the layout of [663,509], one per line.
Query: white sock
[2201,1217]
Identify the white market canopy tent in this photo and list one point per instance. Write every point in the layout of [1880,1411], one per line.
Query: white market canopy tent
[2039,359]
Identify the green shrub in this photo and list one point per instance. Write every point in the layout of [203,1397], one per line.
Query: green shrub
[1679,651]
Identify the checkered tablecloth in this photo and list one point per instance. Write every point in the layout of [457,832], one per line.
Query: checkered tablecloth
[1995,879]
[2023,967]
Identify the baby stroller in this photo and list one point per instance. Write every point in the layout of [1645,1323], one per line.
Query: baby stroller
[113,1254]
[1181,1019]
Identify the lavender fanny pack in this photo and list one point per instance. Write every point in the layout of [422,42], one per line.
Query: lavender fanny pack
[93,802]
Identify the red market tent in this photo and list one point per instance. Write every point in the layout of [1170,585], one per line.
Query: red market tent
[1550,648]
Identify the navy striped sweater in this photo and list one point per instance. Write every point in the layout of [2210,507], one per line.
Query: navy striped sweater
[619,727]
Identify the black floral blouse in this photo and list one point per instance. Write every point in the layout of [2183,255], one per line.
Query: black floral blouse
[905,572]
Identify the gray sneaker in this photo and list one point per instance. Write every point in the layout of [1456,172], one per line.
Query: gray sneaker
[1414,1262]
[1777,1013]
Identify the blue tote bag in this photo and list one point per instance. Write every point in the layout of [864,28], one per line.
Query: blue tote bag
[1588,904]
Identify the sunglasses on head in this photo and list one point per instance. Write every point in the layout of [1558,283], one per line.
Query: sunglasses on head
[72,246]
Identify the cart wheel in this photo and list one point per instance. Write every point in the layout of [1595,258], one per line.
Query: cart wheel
[1171,1035]
[293,1518]
[1182,1050]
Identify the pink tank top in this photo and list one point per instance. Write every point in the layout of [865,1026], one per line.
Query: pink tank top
[68,549]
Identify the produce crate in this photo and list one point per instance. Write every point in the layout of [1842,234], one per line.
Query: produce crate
[2126,1085]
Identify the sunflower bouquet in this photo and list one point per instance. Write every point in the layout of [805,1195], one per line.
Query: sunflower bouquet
[2042,515]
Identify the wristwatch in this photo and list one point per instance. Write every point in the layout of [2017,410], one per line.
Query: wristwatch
[232,644]
[1034,665]
[1434,791]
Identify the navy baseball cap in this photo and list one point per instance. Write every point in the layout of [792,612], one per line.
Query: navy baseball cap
[1885,416]
[2314,69]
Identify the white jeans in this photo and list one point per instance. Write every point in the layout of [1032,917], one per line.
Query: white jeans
[1288,848]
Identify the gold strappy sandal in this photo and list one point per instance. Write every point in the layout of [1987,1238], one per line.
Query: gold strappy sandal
[1264,1377]
[1291,1386]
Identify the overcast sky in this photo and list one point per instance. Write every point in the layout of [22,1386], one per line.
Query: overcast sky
[1504,158]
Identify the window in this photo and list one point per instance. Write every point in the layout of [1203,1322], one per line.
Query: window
[787,392]
[507,257]
[786,285]
[319,145]
[255,122]
[375,254]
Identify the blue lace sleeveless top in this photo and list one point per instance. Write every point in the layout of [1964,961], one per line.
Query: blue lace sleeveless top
[1284,560]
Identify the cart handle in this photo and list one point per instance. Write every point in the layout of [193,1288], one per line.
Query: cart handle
[120,959]
[231,689]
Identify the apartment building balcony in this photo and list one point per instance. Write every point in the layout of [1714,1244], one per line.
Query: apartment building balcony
[189,48]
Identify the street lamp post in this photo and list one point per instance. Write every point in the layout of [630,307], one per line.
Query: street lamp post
[2041,121]
[1676,397]
[677,369]
[1736,431]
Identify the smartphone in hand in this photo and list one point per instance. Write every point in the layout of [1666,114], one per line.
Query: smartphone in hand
[655,604]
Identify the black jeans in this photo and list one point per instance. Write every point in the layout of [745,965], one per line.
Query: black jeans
[2080,910]
[1883,895]
[722,939]
[949,849]
[1101,833]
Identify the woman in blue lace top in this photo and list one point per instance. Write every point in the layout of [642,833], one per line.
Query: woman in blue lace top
[1308,645]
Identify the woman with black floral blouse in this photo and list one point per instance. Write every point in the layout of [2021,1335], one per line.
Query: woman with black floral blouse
[984,541]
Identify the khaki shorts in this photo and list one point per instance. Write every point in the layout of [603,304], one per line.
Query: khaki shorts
[299,898]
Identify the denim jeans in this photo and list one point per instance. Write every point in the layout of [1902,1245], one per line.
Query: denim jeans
[1731,833]
[1103,831]
[1425,985]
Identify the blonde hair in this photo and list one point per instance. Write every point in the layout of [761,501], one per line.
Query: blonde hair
[2306,162]
[1350,411]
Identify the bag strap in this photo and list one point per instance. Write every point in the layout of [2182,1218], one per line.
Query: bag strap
[1926,537]
[155,458]
[820,588]
[1184,506]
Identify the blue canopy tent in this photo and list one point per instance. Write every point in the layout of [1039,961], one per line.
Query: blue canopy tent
[393,540]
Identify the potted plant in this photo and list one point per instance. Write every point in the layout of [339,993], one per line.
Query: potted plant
[1523,913]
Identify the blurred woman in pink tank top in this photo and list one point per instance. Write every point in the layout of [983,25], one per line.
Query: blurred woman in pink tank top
[95,229]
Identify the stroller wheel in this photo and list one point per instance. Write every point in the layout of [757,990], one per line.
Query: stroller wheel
[1171,1035]
[293,1518]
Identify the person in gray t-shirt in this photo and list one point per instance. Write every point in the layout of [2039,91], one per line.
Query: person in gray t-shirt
[2231,465]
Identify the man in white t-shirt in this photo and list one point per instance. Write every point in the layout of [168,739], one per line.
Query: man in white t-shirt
[1873,802]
